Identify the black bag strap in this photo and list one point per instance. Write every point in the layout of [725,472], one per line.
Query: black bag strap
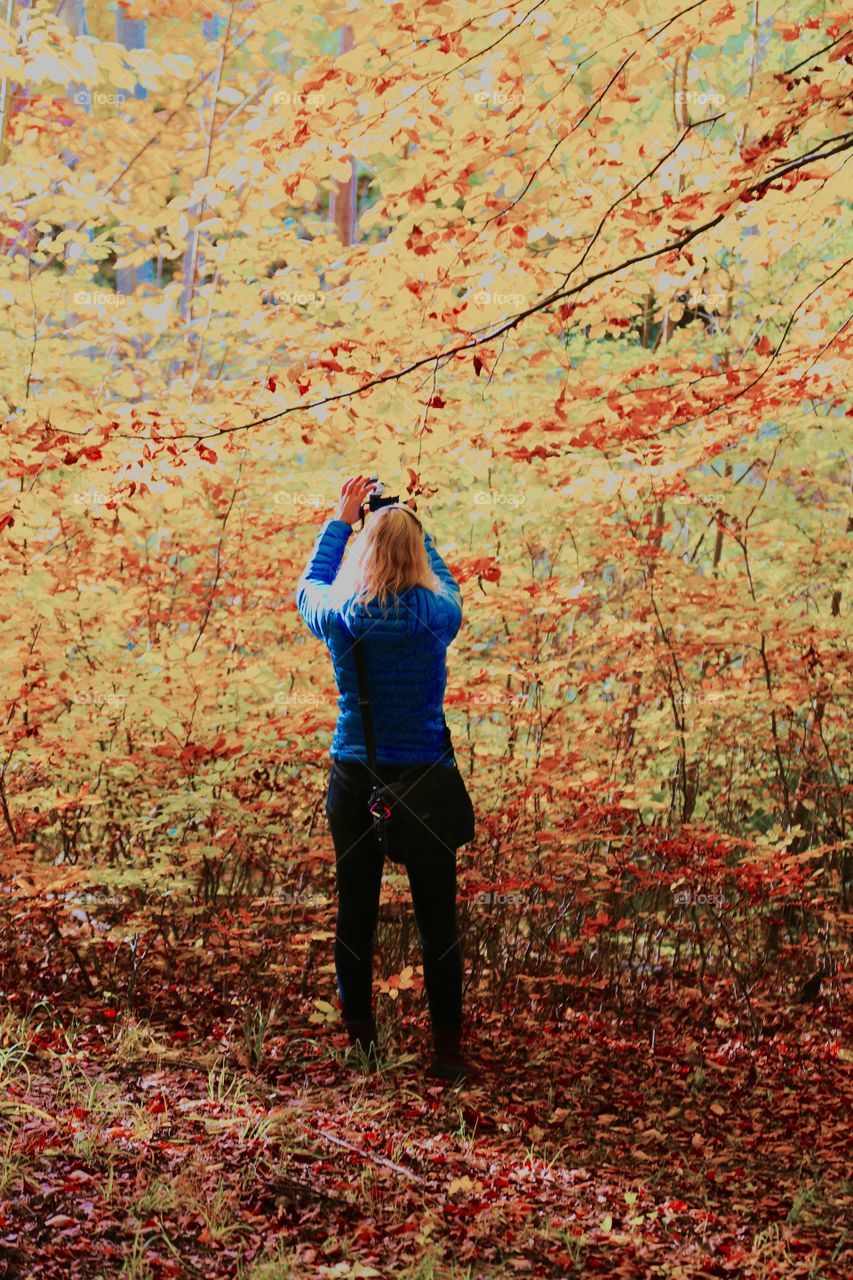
[364,702]
[366,710]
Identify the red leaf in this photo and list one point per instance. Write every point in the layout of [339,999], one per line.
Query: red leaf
[48,444]
[523,454]
[270,384]
[207,455]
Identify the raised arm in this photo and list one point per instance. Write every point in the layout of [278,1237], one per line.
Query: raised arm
[312,591]
[439,566]
[448,605]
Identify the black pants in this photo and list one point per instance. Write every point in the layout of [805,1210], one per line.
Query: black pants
[431,868]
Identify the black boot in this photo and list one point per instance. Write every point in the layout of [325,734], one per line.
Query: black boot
[448,1061]
[362,1034]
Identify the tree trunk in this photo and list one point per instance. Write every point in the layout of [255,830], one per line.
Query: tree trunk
[342,209]
[212,29]
[132,34]
[6,91]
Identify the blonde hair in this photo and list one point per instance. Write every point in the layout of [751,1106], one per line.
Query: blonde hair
[387,557]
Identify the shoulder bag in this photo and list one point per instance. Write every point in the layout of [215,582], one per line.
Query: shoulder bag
[432,796]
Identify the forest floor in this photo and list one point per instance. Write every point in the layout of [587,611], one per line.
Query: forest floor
[144,1146]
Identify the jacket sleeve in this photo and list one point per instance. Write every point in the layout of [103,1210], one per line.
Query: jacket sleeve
[312,591]
[447,607]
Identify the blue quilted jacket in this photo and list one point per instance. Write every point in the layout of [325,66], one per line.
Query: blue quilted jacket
[406,655]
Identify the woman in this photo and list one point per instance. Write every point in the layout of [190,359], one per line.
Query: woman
[397,593]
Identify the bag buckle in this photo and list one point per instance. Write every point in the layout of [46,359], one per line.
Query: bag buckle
[375,806]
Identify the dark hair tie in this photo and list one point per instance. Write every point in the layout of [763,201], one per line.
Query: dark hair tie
[399,507]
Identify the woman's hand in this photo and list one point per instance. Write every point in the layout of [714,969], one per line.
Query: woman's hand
[353,494]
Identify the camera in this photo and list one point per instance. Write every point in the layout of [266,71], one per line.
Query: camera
[375,500]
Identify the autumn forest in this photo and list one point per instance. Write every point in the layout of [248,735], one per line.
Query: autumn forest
[574,282]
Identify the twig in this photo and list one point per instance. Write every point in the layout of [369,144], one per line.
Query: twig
[219,557]
[84,973]
[387,1164]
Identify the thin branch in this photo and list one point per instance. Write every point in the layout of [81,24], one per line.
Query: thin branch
[845,145]
[636,186]
[218,559]
[558,143]
[380,1160]
[674,18]
[790,70]
[503,212]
